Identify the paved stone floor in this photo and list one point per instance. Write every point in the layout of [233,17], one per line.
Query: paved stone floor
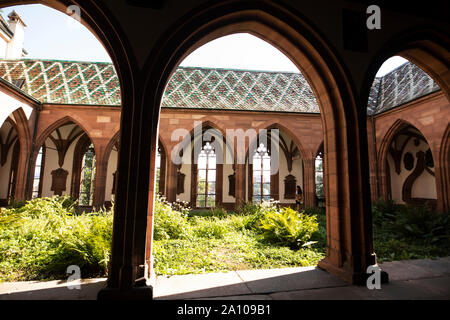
[412,279]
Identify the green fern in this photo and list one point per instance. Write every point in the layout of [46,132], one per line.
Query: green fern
[287,227]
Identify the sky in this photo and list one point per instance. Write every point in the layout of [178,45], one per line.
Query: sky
[51,34]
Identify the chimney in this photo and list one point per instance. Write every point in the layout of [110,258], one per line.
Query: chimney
[14,49]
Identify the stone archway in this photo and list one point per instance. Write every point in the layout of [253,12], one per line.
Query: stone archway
[444,164]
[349,250]
[104,26]
[23,160]
[307,163]
[113,142]
[426,48]
[284,153]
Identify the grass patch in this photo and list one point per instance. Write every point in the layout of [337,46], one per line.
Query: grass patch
[226,246]
[40,238]
[255,237]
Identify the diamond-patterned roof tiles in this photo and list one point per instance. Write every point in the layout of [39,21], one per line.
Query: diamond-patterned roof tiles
[96,83]
[239,90]
[65,82]
[404,84]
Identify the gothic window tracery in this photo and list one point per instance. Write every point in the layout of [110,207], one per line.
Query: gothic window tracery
[206,177]
[261,174]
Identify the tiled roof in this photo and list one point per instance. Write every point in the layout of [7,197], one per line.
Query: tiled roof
[65,82]
[96,83]
[69,82]
[239,90]
[406,83]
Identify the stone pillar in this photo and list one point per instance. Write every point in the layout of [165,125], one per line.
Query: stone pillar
[100,176]
[441,174]
[373,161]
[171,181]
[239,184]
[309,183]
[129,270]
[150,218]
[162,174]
[219,184]
[348,208]
[24,177]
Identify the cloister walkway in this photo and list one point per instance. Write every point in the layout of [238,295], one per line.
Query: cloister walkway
[412,279]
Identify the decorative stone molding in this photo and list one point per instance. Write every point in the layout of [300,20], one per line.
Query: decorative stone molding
[290,184]
[231,184]
[289,152]
[408,161]
[407,186]
[180,182]
[59,178]
[62,144]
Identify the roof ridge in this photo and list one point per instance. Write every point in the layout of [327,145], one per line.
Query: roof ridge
[56,60]
[238,69]
[397,68]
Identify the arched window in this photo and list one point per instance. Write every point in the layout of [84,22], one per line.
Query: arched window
[318,172]
[86,194]
[206,177]
[319,176]
[261,174]
[38,173]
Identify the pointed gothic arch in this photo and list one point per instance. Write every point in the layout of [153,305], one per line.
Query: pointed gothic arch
[20,141]
[444,165]
[278,26]
[397,153]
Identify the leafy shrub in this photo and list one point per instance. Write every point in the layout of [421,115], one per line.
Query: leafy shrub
[219,212]
[180,206]
[86,243]
[255,211]
[420,222]
[318,211]
[383,210]
[212,212]
[168,222]
[211,227]
[287,227]
[16,204]
[415,223]
[41,238]
[402,232]
[249,208]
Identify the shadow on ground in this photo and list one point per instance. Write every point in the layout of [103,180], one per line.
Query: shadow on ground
[413,279]
[50,290]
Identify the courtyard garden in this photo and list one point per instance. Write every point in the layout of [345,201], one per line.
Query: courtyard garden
[40,238]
